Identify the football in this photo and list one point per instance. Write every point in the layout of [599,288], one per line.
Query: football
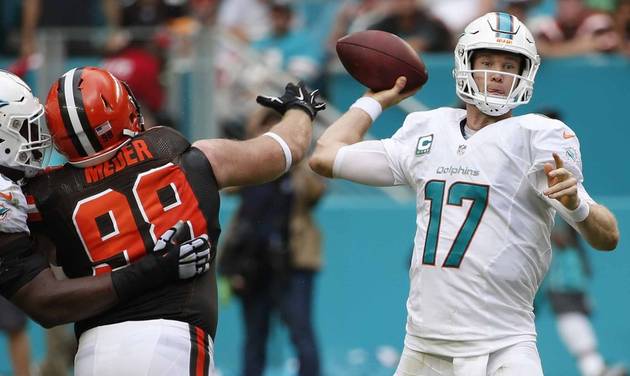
[376,58]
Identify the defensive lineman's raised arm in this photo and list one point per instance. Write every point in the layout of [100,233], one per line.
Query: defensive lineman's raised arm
[266,157]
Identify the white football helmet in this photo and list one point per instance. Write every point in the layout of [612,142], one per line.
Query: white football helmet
[24,143]
[502,32]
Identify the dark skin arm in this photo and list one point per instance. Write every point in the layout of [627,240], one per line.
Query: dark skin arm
[52,302]
[32,285]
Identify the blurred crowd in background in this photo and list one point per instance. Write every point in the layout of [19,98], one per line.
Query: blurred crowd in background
[138,39]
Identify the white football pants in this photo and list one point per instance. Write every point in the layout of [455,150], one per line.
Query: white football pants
[150,347]
[521,359]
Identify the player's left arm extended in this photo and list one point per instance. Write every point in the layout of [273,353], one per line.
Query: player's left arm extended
[594,221]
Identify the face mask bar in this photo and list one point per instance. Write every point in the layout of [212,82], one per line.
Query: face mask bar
[496,99]
[519,93]
[35,152]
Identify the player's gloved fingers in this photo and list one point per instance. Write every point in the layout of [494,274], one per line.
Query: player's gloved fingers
[187,257]
[201,247]
[203,269]
[196,245]
[164,239]
[199,242]
[269,101]
[193,269]
[187,270]
[274,103]
[159,245]
[292,88]
[168,234]
[205,253]
[317,104]
[202,256]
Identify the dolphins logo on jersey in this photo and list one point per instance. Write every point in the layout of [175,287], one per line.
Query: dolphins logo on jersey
[9,198]
[3,212]
[572,154]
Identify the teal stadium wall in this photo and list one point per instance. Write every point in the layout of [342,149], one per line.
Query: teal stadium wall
[361,292]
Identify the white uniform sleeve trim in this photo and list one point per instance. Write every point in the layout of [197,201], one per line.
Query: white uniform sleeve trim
[364,162]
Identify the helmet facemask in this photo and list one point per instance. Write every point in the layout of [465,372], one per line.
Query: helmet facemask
[34,153]
[25,144]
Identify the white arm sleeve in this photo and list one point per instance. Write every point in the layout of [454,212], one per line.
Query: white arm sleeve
[365,162]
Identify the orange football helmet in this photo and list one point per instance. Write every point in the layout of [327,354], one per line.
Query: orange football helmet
[90,115]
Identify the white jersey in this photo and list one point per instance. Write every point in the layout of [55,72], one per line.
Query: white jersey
[13,208]
[482,243]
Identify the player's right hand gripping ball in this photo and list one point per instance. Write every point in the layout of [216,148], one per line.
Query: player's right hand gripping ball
[295,96]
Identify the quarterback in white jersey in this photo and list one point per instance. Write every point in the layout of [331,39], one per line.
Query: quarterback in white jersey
[488,186]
